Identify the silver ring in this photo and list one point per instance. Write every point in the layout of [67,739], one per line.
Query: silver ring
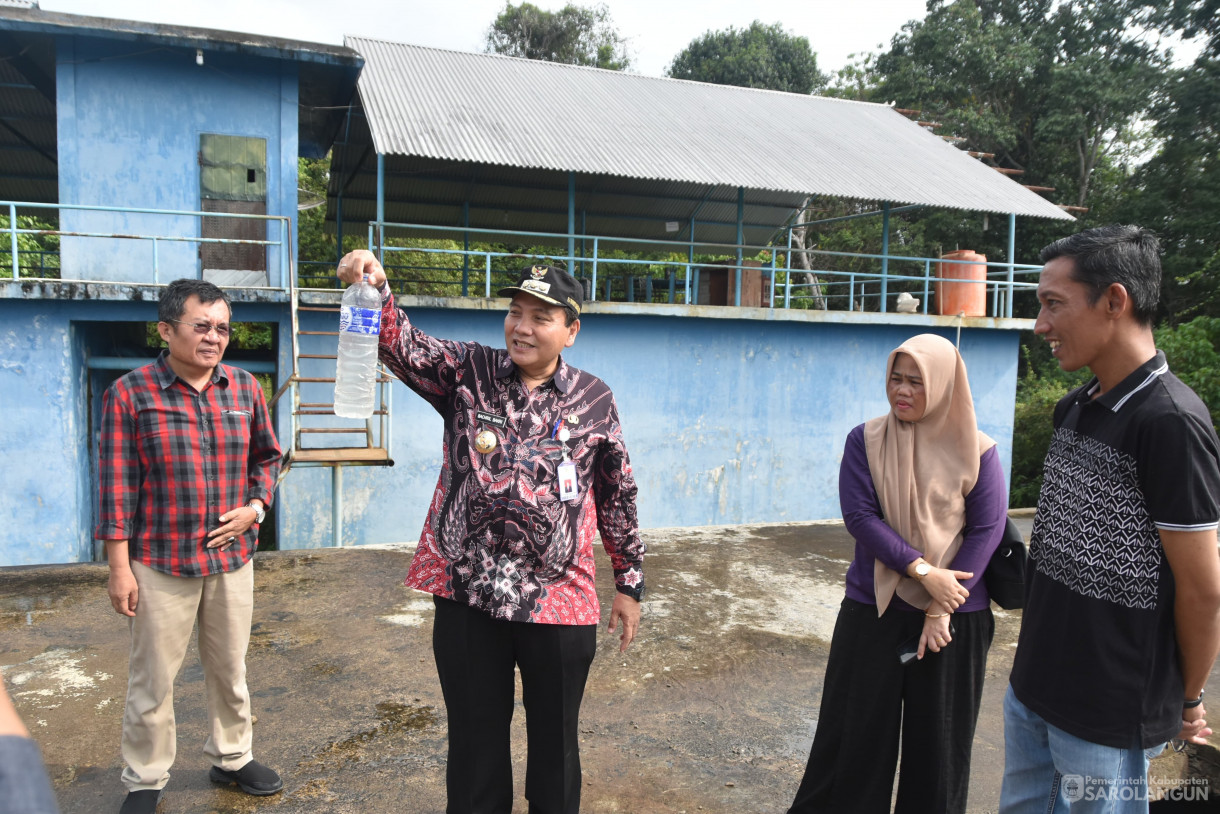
[343,265]
[232,539]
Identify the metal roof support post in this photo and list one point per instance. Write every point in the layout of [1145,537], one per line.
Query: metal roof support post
[381,208]
[339,226]
[336,506]
[584,247]
[285,247]
[1012,257]
[788,275]
[466,247]
[593,287]
[741,238]
[690,262]
[885,254]
[771,299]
[927,276]
[571,220]
[12,231]
[157,265]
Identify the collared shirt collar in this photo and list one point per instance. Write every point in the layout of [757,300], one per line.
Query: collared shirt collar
[1140,378]
[166,376]
[564,376]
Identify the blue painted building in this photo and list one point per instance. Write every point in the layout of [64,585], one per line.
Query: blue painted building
[115,118]
[731,414]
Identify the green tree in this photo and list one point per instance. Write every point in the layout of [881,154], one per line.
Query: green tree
[37,254]
[574,35]
[1053,89]
[1193,352]
[761,56]
[1177,191]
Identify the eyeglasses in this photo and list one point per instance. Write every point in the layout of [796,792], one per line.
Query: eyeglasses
[204,327]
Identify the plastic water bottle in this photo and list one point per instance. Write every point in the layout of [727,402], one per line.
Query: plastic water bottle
[356,369]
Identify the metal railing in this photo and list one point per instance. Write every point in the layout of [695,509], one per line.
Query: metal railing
[657,271]
[283,242]
[676,279]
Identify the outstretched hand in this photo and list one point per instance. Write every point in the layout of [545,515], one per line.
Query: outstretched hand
[356,264]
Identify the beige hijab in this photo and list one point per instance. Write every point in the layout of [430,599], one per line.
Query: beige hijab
[923,470]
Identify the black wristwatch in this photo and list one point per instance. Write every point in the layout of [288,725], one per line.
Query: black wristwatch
[1194,703]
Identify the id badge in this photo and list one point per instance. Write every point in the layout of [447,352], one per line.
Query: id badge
[568,488]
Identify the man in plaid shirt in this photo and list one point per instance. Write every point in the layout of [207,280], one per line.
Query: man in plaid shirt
[187,465]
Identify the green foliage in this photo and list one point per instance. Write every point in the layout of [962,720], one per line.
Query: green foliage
[1033,425]
[761,56]
[1193,352]
[1039,389]
[574,35]
[1051,88]
[313,244]
[1177,192]
[858,80]
[37,254]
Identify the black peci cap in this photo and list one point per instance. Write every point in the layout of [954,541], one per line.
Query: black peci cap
[549,284]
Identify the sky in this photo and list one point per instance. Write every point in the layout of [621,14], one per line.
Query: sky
[656,30]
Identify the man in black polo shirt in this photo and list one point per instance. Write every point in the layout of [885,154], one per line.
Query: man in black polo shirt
[1122,612]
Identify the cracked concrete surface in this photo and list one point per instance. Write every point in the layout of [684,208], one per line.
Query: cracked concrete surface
[712,709]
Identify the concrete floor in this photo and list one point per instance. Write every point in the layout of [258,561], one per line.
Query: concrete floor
[712,709]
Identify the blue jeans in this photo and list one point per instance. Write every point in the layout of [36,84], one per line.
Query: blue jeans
[1048,771]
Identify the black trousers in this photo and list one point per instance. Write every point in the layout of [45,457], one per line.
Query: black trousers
[871,703]
[475,657]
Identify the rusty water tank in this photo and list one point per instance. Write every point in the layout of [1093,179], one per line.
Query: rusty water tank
[960,294]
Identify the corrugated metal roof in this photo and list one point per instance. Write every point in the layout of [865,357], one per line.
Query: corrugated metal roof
[491,110]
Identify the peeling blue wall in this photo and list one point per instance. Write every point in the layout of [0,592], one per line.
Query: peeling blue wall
[129,123]
[727,421]
[43,437]
[47,486]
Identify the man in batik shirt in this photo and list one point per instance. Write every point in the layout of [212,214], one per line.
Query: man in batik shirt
[534,466]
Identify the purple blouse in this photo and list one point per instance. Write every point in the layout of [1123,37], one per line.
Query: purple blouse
[986,515]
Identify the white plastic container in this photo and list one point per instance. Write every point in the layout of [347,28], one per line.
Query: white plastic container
[356,368]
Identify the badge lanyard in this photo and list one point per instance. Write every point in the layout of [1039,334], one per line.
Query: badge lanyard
[568,487]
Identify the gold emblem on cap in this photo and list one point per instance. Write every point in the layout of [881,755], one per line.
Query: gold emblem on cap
[538,272]
[486,441]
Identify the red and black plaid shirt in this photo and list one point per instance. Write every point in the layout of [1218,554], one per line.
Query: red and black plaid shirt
[173,460]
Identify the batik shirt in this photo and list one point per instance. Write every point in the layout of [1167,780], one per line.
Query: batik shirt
[173,459]
[497,536]
[1097,656]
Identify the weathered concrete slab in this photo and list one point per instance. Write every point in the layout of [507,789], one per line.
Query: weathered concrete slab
[712,709]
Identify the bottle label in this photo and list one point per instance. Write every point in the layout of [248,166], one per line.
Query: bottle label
[366,321]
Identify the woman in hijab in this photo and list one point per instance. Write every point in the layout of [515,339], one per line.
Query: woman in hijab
[922,493]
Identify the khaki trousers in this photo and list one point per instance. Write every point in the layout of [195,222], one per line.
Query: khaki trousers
[168,608]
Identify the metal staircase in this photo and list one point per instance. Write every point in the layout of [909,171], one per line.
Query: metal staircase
[314,422]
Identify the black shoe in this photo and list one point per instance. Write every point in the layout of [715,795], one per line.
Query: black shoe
[253,778]
[143,801]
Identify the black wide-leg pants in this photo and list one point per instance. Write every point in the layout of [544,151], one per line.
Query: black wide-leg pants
[871,704]
[475,656]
